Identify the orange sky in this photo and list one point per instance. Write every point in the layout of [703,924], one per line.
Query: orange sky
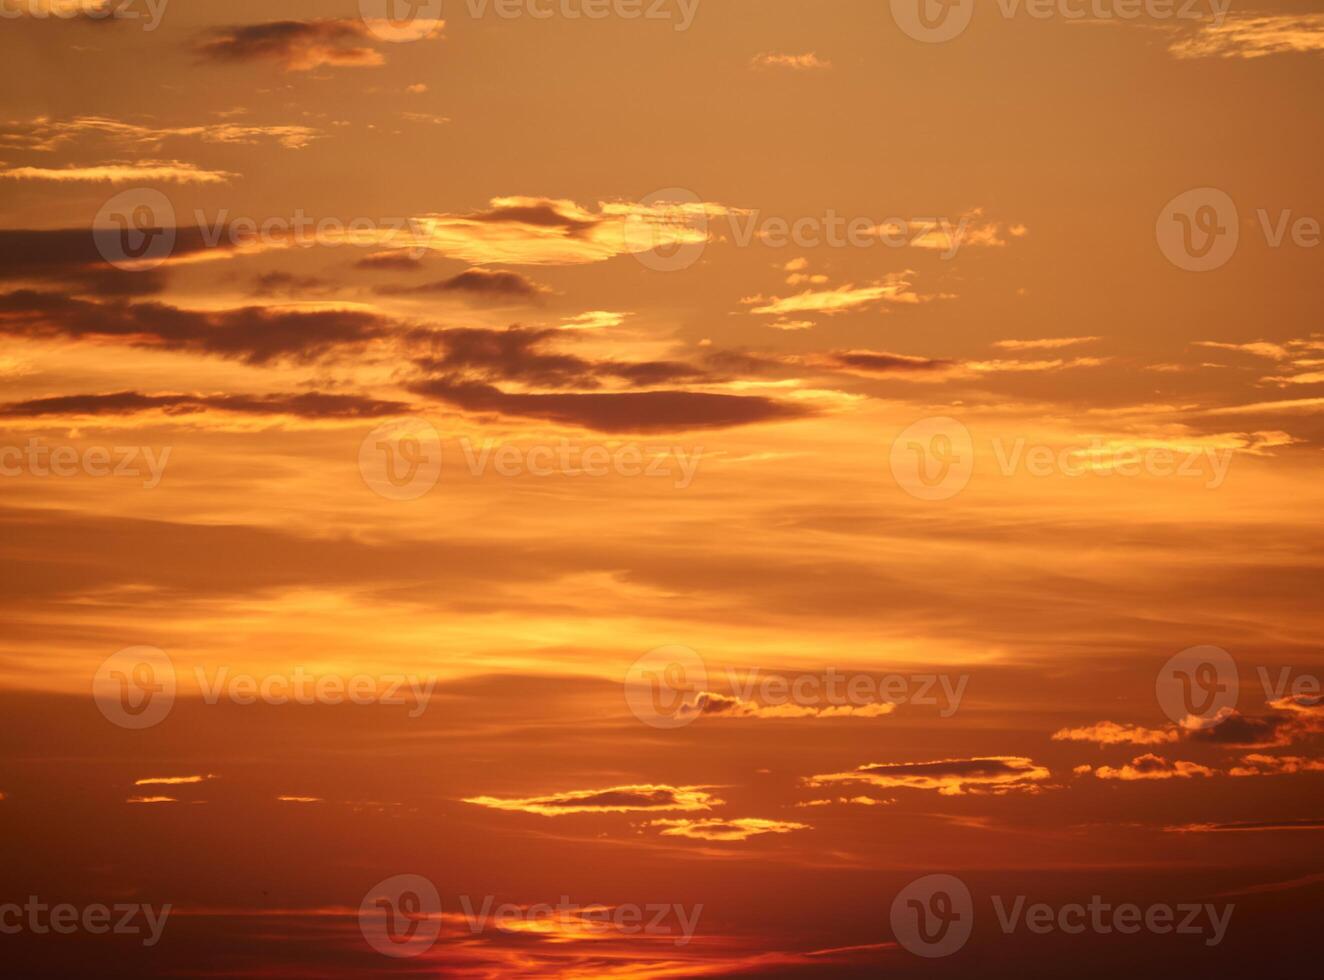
[736,460]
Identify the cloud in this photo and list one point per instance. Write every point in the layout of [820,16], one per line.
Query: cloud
[1249,826]
[894,288]
[253,334]
[847,801]
[151,799]
[950,777]
[635,411]
[1255,37]
[1230,727]
[594,320]
[796,62]
[1111,733]
[881,362]
[1046,343]
[173,780]
[547,231]
[305,405]
[719,705]
[1268,765]
[1149,766]
[740,829]
[120,173]
[294,45]
[389,260]
[617,799]
[482,284]
[46,134]
[1260,348]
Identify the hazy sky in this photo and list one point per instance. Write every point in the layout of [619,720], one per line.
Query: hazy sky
[745,456]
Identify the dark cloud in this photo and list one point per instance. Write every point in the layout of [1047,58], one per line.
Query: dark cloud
[252,334]
[540,215]
[1247,732]
[296,45]
[70,257]
[288,284]
[389,260]
[311,405]
[631,411]
[884,363]
[517,354]
[481,284]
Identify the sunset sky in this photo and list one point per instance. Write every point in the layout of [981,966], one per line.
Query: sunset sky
[726,459]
